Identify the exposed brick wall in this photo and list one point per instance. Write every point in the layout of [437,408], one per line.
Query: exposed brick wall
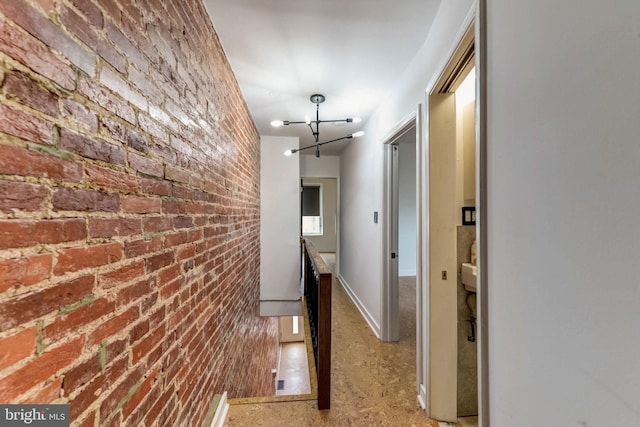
[129,214]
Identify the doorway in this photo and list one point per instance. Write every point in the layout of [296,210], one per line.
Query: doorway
[400,229]
[451,162]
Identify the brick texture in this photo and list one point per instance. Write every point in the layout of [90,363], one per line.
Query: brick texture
[129,214]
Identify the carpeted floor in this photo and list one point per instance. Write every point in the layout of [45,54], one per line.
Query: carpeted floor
[373,383]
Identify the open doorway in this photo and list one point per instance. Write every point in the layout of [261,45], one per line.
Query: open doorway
[451,281]
[400,225]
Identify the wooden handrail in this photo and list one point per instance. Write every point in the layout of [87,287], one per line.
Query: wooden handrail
[317,295]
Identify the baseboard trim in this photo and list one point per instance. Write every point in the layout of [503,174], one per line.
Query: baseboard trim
[361,307]
[220,414]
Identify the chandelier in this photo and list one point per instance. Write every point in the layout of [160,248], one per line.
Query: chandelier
[314,125]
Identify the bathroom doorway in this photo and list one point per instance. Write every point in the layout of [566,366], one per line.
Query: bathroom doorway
[451,161]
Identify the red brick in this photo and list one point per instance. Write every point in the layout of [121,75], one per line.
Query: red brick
[137,141]
[148,302]
[17,347]
[135,291]
[122,275]
[182,222]
[142,247]
[176,239]
[75,259]
[147,124]
[116,349]
[23,233]
[37,24]
[114,325]
[77,318]
[89,421]
[91,148]
[167,291]
[118,85]
[145,165]
[25,271]
[140,205]
[48,394]
[78,26]
[19,161]
[25,126]
[85,200]
[111,178]
[139,331]
[79,115]
[29,93]
[112,9]
[196,235]
[36,56]
[157,262]
[136,418]
[121,133]
[47,5]
[163,151]
[81,375]
[185,253]
[156,224]
[111,401]
[21,196]
[86,33]
[175,174]
[133,54]
[143,348]
[27,307]
[174,207]
[39,370]
[109,227]
[107,100]
[152,186]
[90,11]
[151,380]
[90,390]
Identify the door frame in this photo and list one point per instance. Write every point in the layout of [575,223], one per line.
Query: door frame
[389,330]
[478,18]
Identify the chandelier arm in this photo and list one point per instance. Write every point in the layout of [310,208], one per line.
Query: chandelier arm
[323,143]
[336,121]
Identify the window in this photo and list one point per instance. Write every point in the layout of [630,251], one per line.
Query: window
[311,210]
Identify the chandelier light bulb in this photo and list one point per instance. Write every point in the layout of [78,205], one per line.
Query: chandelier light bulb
[288,153]
[357,134]
[307,120]
[277,123]
[357,120]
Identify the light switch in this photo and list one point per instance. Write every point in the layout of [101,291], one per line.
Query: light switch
[375,217]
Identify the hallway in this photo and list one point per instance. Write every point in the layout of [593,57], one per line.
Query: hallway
[373,383]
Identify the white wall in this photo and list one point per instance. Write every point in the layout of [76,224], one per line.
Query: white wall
[319,167]
[279,220]
[407,225]
[361,163]
[563,202]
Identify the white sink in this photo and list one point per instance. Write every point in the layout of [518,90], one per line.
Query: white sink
[468,276]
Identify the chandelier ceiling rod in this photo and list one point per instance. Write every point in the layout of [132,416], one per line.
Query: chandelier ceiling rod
[317,99]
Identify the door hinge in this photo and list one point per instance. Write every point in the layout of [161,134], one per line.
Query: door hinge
[393,255]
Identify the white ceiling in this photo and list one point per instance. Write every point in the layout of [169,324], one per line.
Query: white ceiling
[351,51]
